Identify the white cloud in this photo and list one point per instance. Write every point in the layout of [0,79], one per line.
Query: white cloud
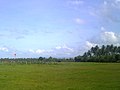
[76,2]
[32,51]
[104,38]
[64,47]
[109,11]
[64,51]
[109,37]
[105,2]
[58,51]
[58,47]
[79,21]
[40,51]
[4,49]
[89,45]
[102,28]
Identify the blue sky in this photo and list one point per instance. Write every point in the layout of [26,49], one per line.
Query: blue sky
[58,28]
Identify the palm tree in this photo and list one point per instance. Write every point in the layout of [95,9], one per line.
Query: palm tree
[115,49]
[103,50]
[89,53]
[118,50]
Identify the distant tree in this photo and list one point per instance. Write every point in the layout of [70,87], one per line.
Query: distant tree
[51,59]
[41,59]
[78,58]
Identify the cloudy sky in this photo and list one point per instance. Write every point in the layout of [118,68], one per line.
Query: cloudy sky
[58,28]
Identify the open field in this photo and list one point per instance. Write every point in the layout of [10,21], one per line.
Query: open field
[60,76]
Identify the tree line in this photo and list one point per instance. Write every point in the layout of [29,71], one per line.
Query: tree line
[108,53]
[40,60]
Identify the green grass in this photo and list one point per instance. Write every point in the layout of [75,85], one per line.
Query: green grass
[61,76]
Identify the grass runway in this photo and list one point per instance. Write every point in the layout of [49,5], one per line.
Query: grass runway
[60,76]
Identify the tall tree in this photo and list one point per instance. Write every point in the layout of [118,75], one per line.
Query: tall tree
[103,50]
[107,53]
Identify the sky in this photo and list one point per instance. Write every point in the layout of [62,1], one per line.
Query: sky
[57,28]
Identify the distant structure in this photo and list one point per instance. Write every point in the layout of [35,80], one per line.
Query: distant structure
[15,55]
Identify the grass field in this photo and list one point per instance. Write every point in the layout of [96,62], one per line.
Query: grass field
[60,76]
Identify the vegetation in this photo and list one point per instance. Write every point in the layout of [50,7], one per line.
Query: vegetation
[60,76]
[107,53]
[40,60]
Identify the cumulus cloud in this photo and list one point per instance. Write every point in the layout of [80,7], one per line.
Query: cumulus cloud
[89,45]
[32,51]
[104,38]
[62,51]
[109,37]
[64,47]
[40,51]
